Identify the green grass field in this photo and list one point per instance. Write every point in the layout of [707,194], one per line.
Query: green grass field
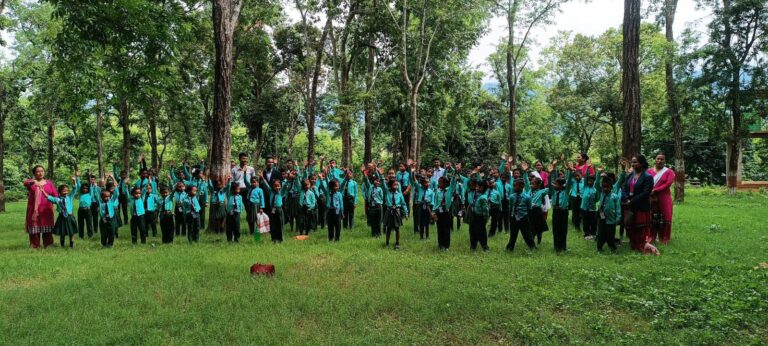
[702,290]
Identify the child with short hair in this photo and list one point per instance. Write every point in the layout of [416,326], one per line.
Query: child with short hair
[191,208]
[493,199]
[422,204]
[219,195]
[166,215]
[520,206]
[576,186]
[374,199]
[108,204]
[480,213]
[395,209]
[255,204]
[609,212]
[308,206]
[65,223]
[349,188]
[150,197]
[275,212]
[335,210]
[84,218]
[235,206]
[441,206]
[137,216]
[179,195]
[588,201]
[558,190]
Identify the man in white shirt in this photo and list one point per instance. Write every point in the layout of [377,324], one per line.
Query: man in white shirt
[437,171]
[242,174]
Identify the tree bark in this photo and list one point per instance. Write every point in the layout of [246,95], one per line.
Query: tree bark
[2,148]
[670,6]
[99,141]
[312,100]
[368,150]
[630,81]
[511,84]
[124,111]
[51,133]
[225,16]
[153,135]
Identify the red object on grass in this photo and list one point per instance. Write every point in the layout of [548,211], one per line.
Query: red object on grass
[263,269]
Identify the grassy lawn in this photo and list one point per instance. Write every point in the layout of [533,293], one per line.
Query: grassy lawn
[703,289]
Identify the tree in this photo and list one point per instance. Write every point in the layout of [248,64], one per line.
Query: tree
[521,15]
[670,7]
[225,17]
[630,80]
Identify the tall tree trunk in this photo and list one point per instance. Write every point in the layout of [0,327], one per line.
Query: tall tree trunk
[153,136]
[670,7]
[630,81]
[413,135]
[368,154]
[614,129]
[2,148]
[51,133]
[733,176]
[124,111]
[225,16]
[312,106]
[511,84]
[99,141]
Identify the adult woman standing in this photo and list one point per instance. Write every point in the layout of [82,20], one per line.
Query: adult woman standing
[39,219]
[636,196]
[661,199]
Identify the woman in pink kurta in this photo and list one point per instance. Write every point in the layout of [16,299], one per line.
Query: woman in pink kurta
[39,220]
[661,199]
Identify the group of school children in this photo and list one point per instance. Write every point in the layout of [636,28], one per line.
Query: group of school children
[515,198]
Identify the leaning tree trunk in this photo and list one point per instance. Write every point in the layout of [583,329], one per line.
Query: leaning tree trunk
[670,7]
[99,141]
[2,148]
[124,112]
[51,133]
[630,81]
[225,14]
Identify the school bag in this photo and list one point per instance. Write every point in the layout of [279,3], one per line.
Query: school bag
[263,222]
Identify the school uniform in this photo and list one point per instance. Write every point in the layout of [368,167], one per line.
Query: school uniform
[442,203]
[588,201]
[308,216]
[536,216]
[575,188]
[290,190]
[202,191]
[65,223]
[138,226]
[609,215]
[218,209]
[191,208]
[335,207]
[150,211]
[166,219]
[254,204]
[394,209]
[321,191]
[520,206]
[404,181]
[178,212]
[95,195]
[84,218]
[124,186]
[477,232]
[235,206]
[349,187]
[108,219]
[457,205]
[423,215]
[274,205]
[375,200]
[493,199]
[559,218]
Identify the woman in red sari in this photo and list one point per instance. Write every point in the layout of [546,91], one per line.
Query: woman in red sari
[39,221]
[661,199]
[636,197]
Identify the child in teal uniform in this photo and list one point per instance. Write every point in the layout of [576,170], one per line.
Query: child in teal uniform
[588,201]
[480,211]
[321,191]
[255,204]
[422,204]
[493,199]
[275,209]
[191,207]
[84,217]
[441,205]
[349,188]
[291,189]
[539,197]
[609,211]
[65,223]
[150,197]
[520,206]
[166,215]
[335,210]
[576,186]
[308,208]
[395,209]
[199,181]
[179,195]
[108,204]
[374,196]
[559,195]
[235,207]
[138,226]
[218,192]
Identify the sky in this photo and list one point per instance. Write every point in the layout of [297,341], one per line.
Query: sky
[588,18]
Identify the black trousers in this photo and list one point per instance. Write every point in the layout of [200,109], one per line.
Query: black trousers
[496,221]
[407,198]
[123,199]
[444,221]
[233,227]
[374,220]
[201,218]
[349,214]
[138,228]
[150,219]
[95,217]
[334,225]
[193,228]
[521,226]
[505,214]
[84,220]
[166,228]
[276,223]
[416,216]
[575,203]
[477,232]
[107,232]
[560,228]
[589,222]
[321,210]
[606,233]
[181,223]
[425,217]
